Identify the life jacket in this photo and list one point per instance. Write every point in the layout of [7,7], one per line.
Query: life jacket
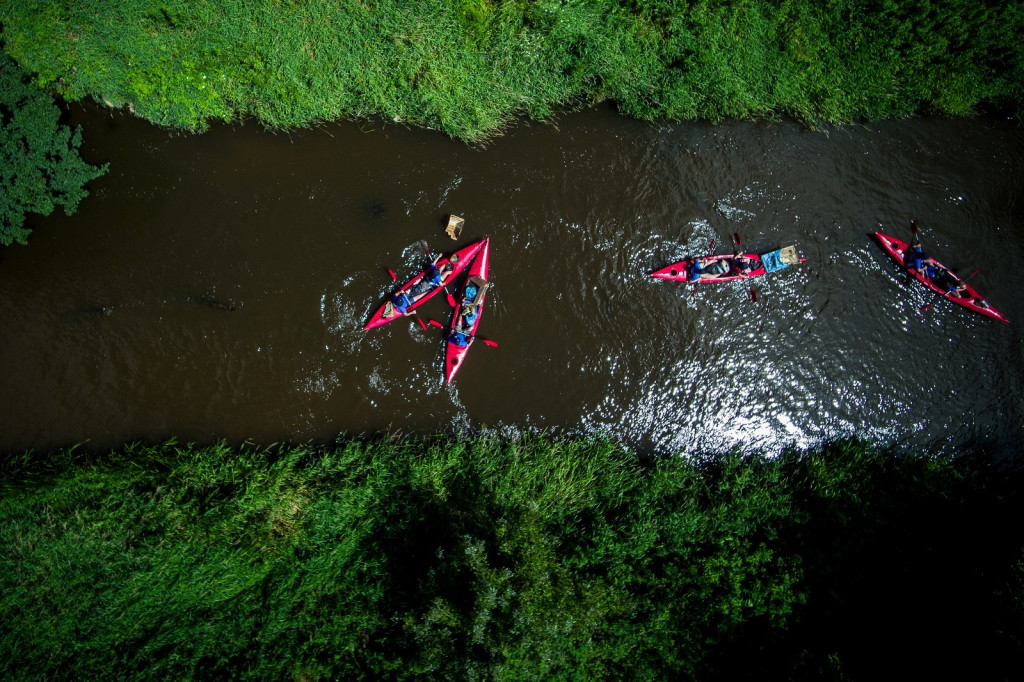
[459,339]
[433,275]
[915,257]
[401,301]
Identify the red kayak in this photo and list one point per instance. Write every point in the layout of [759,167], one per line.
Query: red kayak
[722,268]
[967,296]
[419,289]
[466,315]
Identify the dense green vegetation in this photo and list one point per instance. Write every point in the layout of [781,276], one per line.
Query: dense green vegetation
[523,559]
[467,66]
[39,163]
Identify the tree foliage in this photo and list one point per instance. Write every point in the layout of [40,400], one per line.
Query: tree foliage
[467,66]
[40,167]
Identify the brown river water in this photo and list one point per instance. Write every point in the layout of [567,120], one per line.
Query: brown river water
[216,286]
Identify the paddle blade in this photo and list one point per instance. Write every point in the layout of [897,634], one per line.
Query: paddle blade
[711,246]
[913,226]
[739,242]
[421,324]
[451,299]
[753,295]
[488,342]
[392,273]
[435,323]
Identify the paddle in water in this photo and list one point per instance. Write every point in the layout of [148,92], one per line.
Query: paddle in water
[487,342]
[392,273]
[451,299]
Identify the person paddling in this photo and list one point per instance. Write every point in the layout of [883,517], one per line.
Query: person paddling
[460,338]
[744,266]
[708,268]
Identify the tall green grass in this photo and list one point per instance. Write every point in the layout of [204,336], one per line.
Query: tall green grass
[503,559]
[467,67]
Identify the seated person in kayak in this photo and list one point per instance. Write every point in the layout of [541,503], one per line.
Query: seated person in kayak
[943,279]
[744,266]
[401,302]
[708,268]
[959,289]
[460,338]
[432,278]
[917,260]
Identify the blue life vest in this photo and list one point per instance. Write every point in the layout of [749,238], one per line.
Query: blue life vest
[470,292]
[401,301]
[434,275]
[471,317]
[916,257]
[459,339]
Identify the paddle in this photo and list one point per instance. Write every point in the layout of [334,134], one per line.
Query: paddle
[945,295]
[487,342]
[451,299]
[392,273]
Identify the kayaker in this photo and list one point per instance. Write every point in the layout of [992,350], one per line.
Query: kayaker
[744,265]
[941,277]
[708,268]
[401,302]
[434,275]
[960,291]
[432,278]
[916,259]
[460,339]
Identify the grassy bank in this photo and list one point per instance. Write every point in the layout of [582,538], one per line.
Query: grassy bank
[527,559]
[467,66]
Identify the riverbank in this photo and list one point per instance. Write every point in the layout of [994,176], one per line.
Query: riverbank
[489,558]
[468,67]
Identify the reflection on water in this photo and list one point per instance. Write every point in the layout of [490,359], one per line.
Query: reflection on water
[217,285]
